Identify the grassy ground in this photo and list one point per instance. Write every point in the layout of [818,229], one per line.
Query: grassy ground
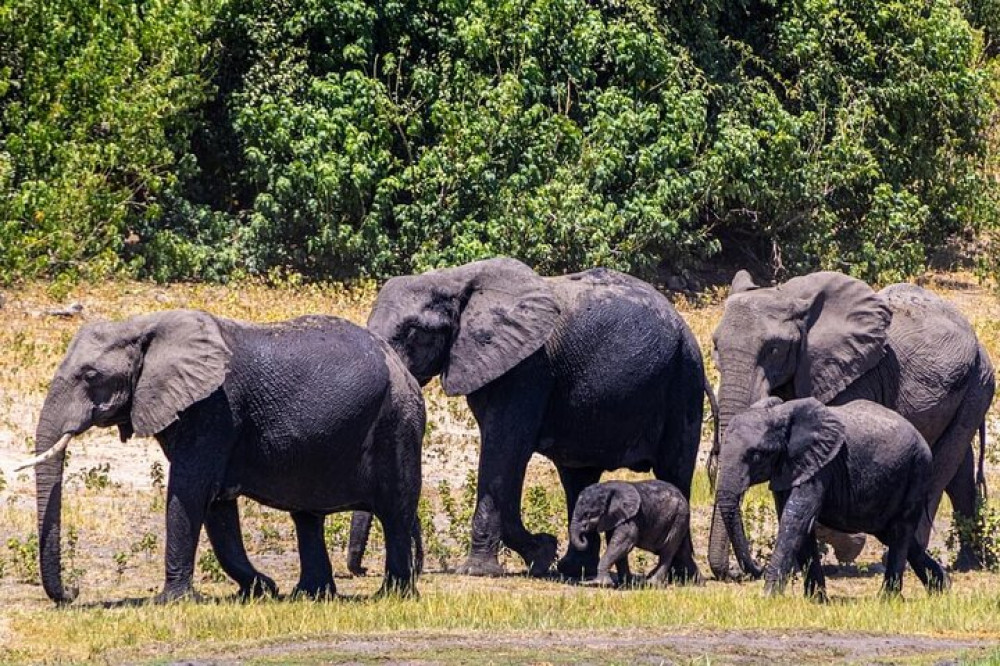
[113,527]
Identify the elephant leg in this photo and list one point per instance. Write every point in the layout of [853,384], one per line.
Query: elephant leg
[794,526]
[953,467]
[678,454]
[898,542]
[361,527]
[577,564]
[400,576]
[316,573]
[188,495]
[808,559]
[509,411]
[962,493]
[928,570]
[222,524]
[621,540]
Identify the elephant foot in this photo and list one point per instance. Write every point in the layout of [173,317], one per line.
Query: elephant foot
[318,591]
[599,581]
[261,586]
[540,559]
[397,588]
[684,573]
[357,570]
[577,565]
[774,588]
[178,593]
[967,560]
[485,565]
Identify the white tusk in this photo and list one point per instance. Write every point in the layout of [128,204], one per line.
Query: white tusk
[48,455]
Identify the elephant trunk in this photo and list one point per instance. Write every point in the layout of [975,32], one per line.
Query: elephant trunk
[48,495]
[732,516]
[361,527]
[578,536]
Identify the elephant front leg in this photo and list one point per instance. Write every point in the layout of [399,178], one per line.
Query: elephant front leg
[621,540]
[188,497]
[797,517]
[222,524]
[509,412]
[316,573]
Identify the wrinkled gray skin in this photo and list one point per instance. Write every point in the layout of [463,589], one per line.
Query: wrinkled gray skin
[595,371]
[831,337]
[858,468]
[652,515]
[310,416]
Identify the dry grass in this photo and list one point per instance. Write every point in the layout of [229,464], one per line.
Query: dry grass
[114,512]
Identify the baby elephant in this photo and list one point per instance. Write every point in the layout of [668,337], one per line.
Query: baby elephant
[652,515]
[857,467]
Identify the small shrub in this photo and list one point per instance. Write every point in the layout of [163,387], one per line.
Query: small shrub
[146,544]
[337,531]
[981,531]
[121,564]
[97,477]
[157,475]
[24,559]
[211,570]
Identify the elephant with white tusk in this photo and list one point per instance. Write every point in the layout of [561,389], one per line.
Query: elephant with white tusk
[296,415]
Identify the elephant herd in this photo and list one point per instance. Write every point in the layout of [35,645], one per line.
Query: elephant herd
[857,406]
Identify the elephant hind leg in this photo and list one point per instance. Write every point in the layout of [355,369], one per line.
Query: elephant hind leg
[400,572]
[928,570]
[316,574]
[222,525]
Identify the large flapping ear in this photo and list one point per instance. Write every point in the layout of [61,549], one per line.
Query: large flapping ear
[508,314]
[742,282]
[623,503]
[184,361]
[847,327]
[815,436]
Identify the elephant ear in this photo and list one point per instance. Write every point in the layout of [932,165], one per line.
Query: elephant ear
[815,437]
[623,503]
[508,314]
[847,328]
[742,282]
[185,360]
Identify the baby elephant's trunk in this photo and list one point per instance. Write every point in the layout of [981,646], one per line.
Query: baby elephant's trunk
[578,536]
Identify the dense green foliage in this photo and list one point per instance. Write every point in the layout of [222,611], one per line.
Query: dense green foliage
[202,138]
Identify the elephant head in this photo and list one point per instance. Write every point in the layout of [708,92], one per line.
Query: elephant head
[602,507]
[810,337]
[469,324]
[784,443]
[139,375]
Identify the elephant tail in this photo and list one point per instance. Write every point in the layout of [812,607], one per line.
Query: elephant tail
[981,489]
[713,456]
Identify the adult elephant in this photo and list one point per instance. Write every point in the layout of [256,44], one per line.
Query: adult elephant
[595,371]
[297,415]
[833,338]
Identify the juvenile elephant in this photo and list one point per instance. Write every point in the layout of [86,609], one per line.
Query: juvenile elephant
[310,416]
[652,515]
[857,468]
[595,371]
[831,337]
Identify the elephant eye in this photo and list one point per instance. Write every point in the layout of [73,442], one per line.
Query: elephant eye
[91,375]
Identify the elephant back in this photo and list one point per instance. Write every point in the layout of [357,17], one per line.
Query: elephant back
[934,349]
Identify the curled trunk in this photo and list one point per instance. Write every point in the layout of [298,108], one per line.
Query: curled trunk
[578,536]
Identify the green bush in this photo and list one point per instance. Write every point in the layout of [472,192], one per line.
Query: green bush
[203,140]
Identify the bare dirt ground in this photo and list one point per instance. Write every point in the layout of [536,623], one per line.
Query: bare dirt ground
[624,647]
